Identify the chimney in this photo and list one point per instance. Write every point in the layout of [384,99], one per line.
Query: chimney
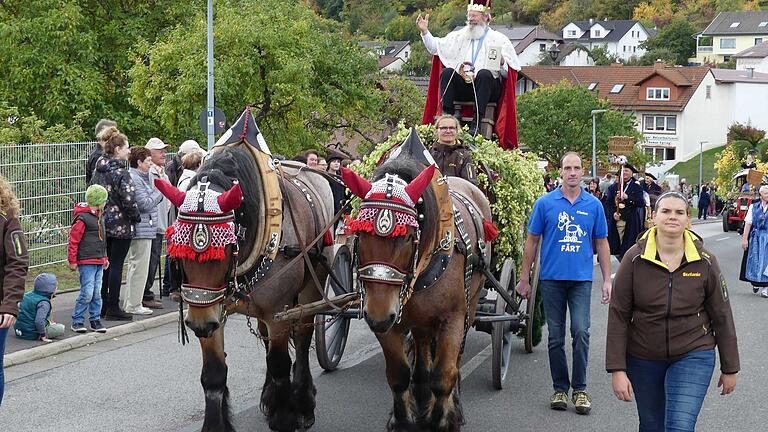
[658,64]
[591,21]
[750,72]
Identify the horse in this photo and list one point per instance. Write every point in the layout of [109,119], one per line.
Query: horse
[419,273]
[223,270]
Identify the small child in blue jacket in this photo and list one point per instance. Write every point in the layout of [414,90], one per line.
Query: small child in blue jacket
[34,320]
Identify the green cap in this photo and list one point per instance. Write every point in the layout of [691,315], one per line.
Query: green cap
[96,195]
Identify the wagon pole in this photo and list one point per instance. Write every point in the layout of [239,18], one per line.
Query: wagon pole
[298,312]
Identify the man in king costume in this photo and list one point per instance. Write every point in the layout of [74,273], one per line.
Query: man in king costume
[472,61]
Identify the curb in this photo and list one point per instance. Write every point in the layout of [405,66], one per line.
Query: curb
[58,347]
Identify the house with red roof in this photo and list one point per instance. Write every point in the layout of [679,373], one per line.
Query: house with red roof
[678,109]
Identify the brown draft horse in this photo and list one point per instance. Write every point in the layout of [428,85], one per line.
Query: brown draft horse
[288,394]
[426,394]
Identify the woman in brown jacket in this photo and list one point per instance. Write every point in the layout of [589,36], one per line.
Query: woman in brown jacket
[13,266]
[669,309]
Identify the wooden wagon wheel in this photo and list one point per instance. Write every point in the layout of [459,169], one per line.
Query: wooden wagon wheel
[501,333]
[331,336]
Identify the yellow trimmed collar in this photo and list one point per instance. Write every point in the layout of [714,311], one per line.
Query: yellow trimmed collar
[650,251]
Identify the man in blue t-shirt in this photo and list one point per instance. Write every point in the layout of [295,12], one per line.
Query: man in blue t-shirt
[570,224]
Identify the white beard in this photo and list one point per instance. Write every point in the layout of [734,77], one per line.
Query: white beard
[474,32]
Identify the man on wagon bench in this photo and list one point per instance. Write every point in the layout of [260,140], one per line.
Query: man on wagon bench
[475,58]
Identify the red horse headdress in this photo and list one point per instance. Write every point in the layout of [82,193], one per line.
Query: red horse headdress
[206,222]
[389,204]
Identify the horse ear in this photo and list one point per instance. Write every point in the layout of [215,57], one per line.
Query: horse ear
[230,199]
[171,192]
[358,185]
[420,183]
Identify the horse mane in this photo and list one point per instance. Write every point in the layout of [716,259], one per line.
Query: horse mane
[407,168]
[236,163]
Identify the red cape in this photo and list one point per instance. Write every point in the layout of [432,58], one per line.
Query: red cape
[506,114]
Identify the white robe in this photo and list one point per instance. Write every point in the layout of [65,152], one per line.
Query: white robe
[456,48]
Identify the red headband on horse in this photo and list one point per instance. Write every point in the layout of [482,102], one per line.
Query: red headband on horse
[389,204]
[206,222]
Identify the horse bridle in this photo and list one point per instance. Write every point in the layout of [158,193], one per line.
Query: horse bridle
[386,273]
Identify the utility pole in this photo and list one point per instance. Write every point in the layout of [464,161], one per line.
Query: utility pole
[210,110]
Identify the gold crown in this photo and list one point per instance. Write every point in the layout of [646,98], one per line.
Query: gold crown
[483,6]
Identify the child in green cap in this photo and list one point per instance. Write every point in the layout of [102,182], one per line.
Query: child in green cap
[87,253]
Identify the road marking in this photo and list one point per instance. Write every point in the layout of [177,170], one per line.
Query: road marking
[475,362]
[722,238]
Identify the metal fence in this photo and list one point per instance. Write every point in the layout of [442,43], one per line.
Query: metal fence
[48,180]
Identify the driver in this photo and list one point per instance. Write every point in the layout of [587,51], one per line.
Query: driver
[452,157]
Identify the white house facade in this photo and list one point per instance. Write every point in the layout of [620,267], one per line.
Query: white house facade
[621,38]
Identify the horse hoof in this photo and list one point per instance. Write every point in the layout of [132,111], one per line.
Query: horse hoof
[283,422]
[304,422]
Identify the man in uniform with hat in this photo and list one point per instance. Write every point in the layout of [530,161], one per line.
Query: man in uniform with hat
[475,58]
[623,202]
[652,188]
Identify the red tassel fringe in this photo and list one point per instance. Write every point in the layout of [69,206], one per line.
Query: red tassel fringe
[186,252]
[367,226]
[490,231]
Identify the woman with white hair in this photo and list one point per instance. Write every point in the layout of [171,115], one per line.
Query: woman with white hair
[755,244]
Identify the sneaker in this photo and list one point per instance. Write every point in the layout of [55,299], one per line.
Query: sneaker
[175,296]
[152,304]
[582,402]
[141,310]
[764,292]
[97,326]
[755,289]
[78,328]
[559,401]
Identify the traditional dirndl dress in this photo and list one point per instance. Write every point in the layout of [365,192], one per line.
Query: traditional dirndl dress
[755,260]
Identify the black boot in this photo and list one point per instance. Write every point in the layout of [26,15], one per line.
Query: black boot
[114,313]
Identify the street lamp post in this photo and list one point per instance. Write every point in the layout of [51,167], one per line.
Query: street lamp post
[701,156]
[553,52]
[594,140]
[210,110]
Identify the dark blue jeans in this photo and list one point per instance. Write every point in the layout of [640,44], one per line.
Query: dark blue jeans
[3,335]
[669,395]
[574,296]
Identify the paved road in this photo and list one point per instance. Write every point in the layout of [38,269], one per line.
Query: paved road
[149,382]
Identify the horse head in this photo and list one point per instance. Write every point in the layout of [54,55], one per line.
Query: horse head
[203,240]
[388,241]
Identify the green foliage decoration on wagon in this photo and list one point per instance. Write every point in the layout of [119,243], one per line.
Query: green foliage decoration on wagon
[516,186]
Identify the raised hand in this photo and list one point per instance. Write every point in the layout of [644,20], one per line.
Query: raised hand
[423,23]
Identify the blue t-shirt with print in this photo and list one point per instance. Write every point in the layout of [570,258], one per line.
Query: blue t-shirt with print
[566,232]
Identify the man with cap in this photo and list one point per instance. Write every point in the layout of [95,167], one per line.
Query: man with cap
[475,58]
[623,202]
[156,149]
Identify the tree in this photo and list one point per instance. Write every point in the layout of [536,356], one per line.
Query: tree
[664,54]
[602,57]
[300,73]
[655,13]
[613,9]
[553,120]
[676,37]
[18,127]
[419,62]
